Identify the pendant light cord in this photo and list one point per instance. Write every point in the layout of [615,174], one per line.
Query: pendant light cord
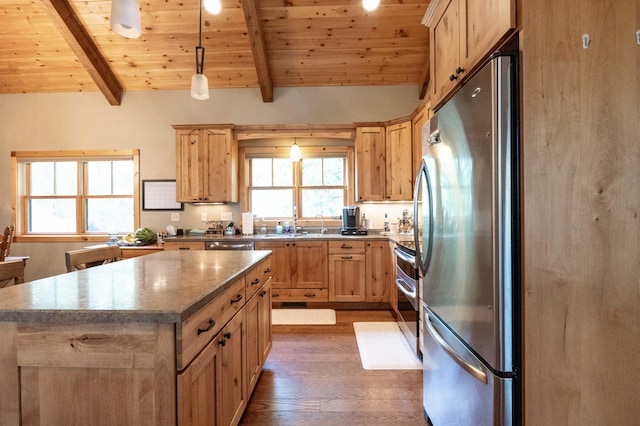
[199,48]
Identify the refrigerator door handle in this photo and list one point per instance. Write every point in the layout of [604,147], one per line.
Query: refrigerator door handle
[466,365]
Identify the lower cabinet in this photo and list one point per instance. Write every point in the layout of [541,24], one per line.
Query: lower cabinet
[347,271]
[258,325]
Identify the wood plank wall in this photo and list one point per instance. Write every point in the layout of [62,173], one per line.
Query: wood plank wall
[581,149]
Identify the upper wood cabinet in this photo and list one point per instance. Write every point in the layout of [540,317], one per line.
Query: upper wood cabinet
[417,122]
[383,163]
[206,164]
[462,32]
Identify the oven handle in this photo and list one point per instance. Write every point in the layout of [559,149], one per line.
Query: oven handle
[400,284]
[404,256]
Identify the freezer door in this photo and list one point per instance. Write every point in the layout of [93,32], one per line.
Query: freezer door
[458,388]
[469,276]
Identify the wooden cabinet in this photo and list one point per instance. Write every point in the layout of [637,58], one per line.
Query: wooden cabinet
[399,172]
[258,323]
[300,270]
[183,245]
[346,271]
[417,122]
[383,163]
[379,271]
[129,252]
[206,164]
[462,33]
[370,163]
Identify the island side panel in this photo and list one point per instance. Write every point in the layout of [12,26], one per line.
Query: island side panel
[98,374]
[9,376]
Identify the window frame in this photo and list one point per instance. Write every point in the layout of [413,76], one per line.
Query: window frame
[332,151]
[19,185]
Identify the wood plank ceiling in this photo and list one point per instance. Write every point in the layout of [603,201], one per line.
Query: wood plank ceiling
[53,46]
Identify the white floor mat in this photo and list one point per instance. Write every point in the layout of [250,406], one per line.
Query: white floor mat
[303,316]
[382,346]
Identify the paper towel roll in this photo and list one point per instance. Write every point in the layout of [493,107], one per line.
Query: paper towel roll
[247,223]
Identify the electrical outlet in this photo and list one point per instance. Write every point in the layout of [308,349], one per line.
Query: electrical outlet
[175,217]
[203,216]
[226,216]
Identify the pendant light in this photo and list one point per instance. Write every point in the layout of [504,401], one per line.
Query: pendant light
[370,5]
[295,154]
[214,7]
[199,81]
[125,18]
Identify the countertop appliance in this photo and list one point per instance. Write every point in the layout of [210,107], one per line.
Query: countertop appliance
[466,203]
[350,218]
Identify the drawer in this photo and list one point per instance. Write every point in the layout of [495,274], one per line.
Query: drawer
[300,295]
[257,276]
[341,247]
[197,330]
[186,245]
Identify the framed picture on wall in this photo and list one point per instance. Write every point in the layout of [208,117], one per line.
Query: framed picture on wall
[160,194]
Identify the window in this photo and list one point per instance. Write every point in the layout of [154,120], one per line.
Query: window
[316,185]
[76,195]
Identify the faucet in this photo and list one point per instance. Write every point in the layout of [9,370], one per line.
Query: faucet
[322,228]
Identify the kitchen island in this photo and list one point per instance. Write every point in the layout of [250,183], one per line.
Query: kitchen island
[170,338]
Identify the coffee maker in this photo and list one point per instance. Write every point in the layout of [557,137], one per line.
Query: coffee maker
[351,221]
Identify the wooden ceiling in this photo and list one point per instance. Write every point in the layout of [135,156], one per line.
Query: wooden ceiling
[49,46]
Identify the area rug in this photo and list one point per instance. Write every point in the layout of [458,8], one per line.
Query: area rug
[382,346]
[303,316]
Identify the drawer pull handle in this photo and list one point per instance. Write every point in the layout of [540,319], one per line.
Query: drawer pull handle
[209,327]
[237,299]
[344,246]
[347,257]
[266,271]
[275,295]
[310,295]
[256,281]
[184,248]
[263,292]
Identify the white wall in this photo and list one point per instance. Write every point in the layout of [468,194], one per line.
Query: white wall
[72,121]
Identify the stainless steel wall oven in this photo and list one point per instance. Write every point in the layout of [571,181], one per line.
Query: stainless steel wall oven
[407,289]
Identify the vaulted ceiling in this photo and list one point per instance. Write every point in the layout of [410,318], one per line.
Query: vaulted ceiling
[49,46]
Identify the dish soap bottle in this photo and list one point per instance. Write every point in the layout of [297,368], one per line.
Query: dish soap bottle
[279,228]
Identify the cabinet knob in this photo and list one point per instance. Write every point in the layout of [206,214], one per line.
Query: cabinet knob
[459,70]
[453,77]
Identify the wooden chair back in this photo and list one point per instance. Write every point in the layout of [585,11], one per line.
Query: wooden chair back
[12,233]
[4,243]
[90,257]
[11,273]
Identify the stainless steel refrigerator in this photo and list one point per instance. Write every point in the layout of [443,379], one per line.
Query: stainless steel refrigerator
[466,203]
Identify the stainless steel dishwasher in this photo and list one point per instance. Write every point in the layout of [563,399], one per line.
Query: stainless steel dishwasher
[228,245]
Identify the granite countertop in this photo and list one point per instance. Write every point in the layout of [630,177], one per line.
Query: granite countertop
[165,287]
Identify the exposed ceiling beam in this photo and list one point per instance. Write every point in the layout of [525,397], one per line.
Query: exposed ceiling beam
[259,48]
[85,49]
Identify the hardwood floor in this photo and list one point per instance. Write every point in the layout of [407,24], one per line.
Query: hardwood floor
[313,376]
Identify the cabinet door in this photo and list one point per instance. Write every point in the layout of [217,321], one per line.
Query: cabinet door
[231,381]
[399,172]
[416,135]
[280,262]
[378,271]
[347,278]
[483,25]
[252,321]
[197,395]
[220,159]
[189,166]
[444,34]
[309,264]
[264,322]
[370,163]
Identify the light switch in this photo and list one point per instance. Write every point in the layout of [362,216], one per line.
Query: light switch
[203,216]
[175,217]
[226,216]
